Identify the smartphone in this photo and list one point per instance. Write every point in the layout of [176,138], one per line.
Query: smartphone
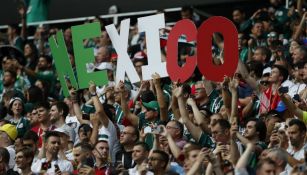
[283,90]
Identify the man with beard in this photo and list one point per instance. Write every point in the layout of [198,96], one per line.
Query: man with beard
[8,81]
[255,132]
[128,138]
[52,163]
[158,161]
[58,112]
[296,133]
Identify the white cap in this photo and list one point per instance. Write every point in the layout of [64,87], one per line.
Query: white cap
[267,70]
[63,131]
[105,66]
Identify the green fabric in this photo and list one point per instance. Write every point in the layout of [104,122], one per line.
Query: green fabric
[153,105]
[254,158]
[23,125]
[47,76]
[281,15]
[37,10]
[246,25]
[118,114]
[244,54]
[87,109]
[205,141]
[19,43]
[216,102]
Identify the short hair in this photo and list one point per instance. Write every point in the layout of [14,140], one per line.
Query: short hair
[187,9]
[302,50]
[85,147]
[281,155]
[35,94]
[190,148]
[301,125]
[143,145]
[282,70]
[12,72]
[223,123]
[27,152]
[147,96]
[51,134]
[164,156]
[31,135]
[265,51]
[179,126]
[264,161]
[47,57]
[4,155]
[61,106]
[42,104]
[135,132]
[256,67]
[260,127]
[240,9]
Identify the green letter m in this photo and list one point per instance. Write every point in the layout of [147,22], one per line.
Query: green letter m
[62,62]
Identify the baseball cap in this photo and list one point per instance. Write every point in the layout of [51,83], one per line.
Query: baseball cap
[103,137]
[10,130]
[153,105]
[62,131]
[266,71]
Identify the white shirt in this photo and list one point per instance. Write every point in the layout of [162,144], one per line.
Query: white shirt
[298,155]
[134,171]
[11,150]
[111,132]
[64,165]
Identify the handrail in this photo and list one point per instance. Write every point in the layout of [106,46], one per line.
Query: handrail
[101,16]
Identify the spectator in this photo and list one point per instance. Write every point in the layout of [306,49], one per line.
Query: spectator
[24,158]
[4,163]
[52,164]
[9,134]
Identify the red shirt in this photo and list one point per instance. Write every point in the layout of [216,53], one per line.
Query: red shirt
[39,131]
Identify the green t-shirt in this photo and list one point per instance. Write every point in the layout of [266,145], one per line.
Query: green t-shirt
[205,141]
[22,126]
[37,10]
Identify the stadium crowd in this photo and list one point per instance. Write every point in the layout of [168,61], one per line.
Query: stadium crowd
[251,123]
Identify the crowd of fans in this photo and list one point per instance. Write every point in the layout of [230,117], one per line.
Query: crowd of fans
[251,123]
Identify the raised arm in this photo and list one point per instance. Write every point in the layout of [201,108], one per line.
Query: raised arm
[124,105]
[233,87]
[160,97]
[199,117]
[76,106]
[98,106]
[194,130]
[244,159]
